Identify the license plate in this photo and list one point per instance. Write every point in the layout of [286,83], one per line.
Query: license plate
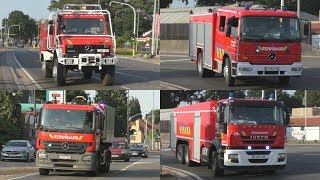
[12,155]
[102,50]
[272,68]
[134,153]
[115,156]
[64,157]
[69,61]
[259,157]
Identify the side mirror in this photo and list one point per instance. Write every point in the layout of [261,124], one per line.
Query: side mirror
[219,116]
[50,22]
[287,118]
[228,31]
[50,30]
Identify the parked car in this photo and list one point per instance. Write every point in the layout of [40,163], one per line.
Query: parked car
[17,150]
[138,150]
[20,45]
[120,150]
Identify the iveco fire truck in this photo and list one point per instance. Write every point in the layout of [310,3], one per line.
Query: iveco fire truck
[231,134]
[76,136]
[246,42]
[78,38]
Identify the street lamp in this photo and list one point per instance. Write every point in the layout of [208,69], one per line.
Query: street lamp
[9,32]
[134,22]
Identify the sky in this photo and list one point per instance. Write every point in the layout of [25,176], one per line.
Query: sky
[34,8]
[178,4]
[144,97]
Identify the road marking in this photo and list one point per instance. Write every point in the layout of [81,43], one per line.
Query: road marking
[16,80]
[173,85]
[19,177]
[312,154]
[138,60]
[174,60]
[132,75]
[126,167]
[25,71]
[165,149]
[173,55]
[194,176]
[124,87]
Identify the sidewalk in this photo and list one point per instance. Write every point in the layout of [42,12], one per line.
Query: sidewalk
[155,60]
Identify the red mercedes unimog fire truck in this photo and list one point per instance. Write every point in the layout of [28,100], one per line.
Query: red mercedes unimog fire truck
[231,134]
[78,38]
[74,136]
[245,42]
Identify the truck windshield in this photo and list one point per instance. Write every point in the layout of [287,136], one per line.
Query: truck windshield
[275,29]
[256,115]
[88,26]
[67,120]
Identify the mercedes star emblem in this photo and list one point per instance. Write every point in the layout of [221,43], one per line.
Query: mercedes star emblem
[272,56]
[65,146]
[88,48]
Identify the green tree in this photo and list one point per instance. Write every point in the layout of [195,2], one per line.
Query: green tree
[220,94]
[70,94]
[134,109]
[118,100]
[171,99]
[156,116]
[313,97]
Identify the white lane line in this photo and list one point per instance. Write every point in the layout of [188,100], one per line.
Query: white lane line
[124,87]
[173,85]
[173,55]
[127,167]
[19,177]
[174,60]
[132,75]
[194,176]
[25,71]
[312,154]
[16,80]
[165,149]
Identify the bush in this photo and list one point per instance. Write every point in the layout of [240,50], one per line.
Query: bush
[127,51]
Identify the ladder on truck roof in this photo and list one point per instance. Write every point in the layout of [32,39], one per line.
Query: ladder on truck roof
[84,9]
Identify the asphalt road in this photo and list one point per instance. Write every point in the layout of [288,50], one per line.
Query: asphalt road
[303,163]
[136,168]
[20,68]
[179,72]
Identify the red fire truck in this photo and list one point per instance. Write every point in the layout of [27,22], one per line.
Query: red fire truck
[75,136]
[246,42]
[78,38]
[231,134]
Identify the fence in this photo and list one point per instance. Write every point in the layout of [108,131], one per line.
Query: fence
[310,50]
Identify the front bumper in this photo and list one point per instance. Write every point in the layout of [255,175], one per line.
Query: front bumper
[20,156]
[75,163]
[118,156]
[256,159]
[247,69]
[137,154]
[89,60]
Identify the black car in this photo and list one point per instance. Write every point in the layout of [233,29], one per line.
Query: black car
[138,150]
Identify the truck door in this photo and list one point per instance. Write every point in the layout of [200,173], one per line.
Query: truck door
[196,136]
[220,36]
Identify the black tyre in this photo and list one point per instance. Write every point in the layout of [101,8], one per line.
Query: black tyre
[96,172]
[107,75]
[127,159]
[227,73]
[203,72]
[284,80]
[87,74]
[187,160]
[59,72]
[47,69]
[180,153]
[216,170]
[44,171]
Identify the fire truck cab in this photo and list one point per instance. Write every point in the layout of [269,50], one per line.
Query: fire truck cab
[246,42]
[78,38]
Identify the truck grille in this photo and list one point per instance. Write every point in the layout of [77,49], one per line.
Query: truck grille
[81,49]
[258,152]
[73,147]
[258,160]
[248,140]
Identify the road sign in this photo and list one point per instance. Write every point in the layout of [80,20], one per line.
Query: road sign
[55,94]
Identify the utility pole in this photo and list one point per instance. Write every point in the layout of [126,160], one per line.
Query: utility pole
[152,118]
[282,4]
[128,123]
[263,94]
[298,8]
[305,114]
[153,28]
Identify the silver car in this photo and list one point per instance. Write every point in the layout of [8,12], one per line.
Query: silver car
[18,150]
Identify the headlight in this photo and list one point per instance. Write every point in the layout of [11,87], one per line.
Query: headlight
[233,158]
[86,158]
[42,156]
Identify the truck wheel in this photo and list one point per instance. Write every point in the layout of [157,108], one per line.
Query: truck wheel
[59,72]
[107,169]
[87,74]
[187,160]
[180,153]
[203,72]
[216,170]
[284,80]
[96,172]
[43,171]
[227,73]
[107,75]
[47,69]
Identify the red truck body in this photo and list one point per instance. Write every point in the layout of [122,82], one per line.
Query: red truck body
[74,137]
[243,42]
[197,136]
[78,38]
